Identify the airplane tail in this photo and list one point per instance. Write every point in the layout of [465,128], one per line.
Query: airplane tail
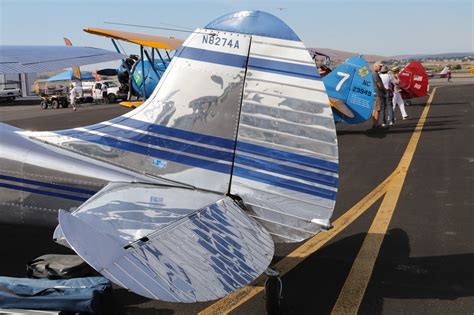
[350,89]
[414,80]
[242,111]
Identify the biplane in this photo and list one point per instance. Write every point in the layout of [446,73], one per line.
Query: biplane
[139,75]
[183,198]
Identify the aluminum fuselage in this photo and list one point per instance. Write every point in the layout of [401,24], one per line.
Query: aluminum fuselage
[38,179]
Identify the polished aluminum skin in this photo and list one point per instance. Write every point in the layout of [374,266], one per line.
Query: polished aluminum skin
[180,198]
[286,162]
[133,211]
[36,179]
[195,250]
[186,131]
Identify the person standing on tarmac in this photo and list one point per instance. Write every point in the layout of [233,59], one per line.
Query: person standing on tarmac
[103,89]
[397,97]
[380,104]
[72,96]
[385,77]
[448,75]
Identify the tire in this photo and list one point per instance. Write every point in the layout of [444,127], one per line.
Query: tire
[65,104]
[112,98]
[44,104]
[54,104]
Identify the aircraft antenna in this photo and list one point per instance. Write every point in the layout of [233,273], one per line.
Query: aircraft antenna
[153,27]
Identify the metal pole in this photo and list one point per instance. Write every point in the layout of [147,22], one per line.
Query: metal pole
[152,64]
[273,289]
[115,45]
[162,60]
[143,72]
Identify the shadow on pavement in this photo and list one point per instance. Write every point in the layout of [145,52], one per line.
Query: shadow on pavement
[396,275]
[383,132]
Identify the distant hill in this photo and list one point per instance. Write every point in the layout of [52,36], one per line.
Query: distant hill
[340,55]
[435,56]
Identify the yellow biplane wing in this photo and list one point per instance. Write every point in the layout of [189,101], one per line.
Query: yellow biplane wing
[131,104]
[158,42]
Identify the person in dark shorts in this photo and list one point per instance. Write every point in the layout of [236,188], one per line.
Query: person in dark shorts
[380,102]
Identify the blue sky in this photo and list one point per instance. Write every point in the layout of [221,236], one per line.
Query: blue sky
[370,26]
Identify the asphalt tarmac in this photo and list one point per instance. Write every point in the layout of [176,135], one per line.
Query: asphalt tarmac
[426,261]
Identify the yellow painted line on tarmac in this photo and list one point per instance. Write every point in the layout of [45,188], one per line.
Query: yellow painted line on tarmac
[354,288]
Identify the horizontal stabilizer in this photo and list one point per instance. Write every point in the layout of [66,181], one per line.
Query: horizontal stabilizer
[152,241]
[32,59]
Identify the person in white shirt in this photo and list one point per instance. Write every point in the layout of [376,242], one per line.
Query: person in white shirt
[397,97]
[385,77]
[73,92]
[103,89]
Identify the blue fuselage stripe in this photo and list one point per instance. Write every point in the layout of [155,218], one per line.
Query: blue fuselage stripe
[287,156]
[240,61]
[163,142]
[195,149]
[48,185]
[157,153]
[284,68]
[43,192]
[275,154]
[163,130]
[284,183]
[287,170]
[212,56]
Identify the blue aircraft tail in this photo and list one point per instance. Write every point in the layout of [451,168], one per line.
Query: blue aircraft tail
[350,88]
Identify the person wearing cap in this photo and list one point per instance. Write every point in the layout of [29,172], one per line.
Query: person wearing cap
[380,104]
[397,97]
[385,77]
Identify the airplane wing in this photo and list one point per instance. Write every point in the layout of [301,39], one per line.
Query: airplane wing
[153,41]
[32,59]
[150,240]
